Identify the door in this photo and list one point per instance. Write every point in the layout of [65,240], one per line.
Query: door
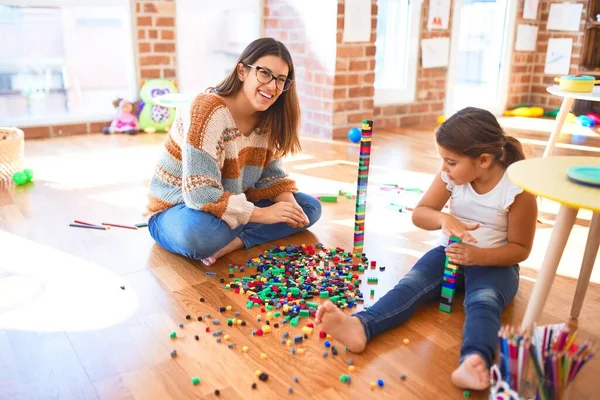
[480,52]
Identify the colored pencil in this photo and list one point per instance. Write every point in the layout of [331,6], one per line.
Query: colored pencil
[84,223]
[102,228]
[120,226]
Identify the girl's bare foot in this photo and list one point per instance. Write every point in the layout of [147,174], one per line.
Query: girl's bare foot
[344,328]
[472,373]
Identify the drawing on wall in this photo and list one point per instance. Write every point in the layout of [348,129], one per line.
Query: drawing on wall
[558,57]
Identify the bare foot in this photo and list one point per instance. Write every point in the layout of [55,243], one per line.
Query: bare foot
[472,373]
[235,244]
[348,330]
[208,261]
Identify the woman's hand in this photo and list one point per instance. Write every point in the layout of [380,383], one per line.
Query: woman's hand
[286,212]
[453,227]
[463,254]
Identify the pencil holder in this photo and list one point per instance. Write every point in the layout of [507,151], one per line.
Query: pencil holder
[530,387]
[542,366]
[12,148]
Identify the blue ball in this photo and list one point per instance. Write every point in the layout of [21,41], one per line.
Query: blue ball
[354,134]
[380,382]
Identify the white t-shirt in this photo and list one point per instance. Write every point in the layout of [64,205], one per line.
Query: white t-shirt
[490,210]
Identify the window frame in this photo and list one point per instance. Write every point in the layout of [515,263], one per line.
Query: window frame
[390,96]
[134,73]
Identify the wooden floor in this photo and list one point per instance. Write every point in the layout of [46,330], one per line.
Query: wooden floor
[68,330]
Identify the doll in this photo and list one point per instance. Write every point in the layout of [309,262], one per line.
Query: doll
[126,120]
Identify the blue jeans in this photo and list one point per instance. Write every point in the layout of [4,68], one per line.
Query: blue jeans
[487,291]
[197,234]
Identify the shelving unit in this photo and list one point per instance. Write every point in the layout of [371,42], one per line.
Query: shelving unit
[590,54]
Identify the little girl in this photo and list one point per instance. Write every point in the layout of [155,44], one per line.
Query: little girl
[496,221]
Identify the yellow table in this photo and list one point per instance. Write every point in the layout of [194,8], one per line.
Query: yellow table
[547,177]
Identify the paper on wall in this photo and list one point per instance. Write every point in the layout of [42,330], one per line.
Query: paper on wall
[526,37]
[564,16]
[558,56]
[530,8]
[439,14]
[357,21]
[434,52]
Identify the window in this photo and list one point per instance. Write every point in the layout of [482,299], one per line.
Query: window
[207,51]
[64,61]
[398,23]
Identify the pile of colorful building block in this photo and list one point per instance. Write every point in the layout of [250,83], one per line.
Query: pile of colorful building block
[289,277]
[282,289]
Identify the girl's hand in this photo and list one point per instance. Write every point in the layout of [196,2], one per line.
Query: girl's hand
[453,227]
[463,254]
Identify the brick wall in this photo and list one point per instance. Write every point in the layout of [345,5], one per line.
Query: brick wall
[310,38]
[334,79]
[522,64]
[354,77]
[155,27]
[540,81]
[528,80]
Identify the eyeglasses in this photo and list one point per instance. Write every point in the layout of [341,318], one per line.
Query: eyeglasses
[265,76]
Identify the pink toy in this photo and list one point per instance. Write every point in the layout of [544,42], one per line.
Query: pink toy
[594,117]
[125,121]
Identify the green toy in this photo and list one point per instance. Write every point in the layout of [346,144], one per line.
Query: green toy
[22,177]
[154,117]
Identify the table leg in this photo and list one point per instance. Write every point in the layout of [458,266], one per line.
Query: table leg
[565,107]
[589,257]
[558,240]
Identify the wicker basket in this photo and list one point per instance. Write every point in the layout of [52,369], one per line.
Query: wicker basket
[12,148]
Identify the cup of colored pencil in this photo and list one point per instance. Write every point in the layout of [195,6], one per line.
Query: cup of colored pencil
[541,366]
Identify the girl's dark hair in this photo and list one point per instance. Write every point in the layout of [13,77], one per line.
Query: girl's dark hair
[474,131]
[282,119]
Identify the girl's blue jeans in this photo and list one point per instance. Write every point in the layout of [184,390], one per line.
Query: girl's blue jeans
[196,234]
[487,291]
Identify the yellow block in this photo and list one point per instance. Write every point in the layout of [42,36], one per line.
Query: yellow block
[307,330]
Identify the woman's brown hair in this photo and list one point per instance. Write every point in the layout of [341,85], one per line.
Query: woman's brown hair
[282,119]
[473,131]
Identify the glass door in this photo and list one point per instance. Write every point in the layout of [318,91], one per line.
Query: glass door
[480,53]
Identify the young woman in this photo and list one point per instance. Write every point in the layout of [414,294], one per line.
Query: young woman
[219,184]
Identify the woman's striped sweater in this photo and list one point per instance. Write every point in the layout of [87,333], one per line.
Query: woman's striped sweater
[210,166]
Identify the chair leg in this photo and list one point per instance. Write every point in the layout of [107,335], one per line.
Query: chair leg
[589,257]
[565,107]
[558,240]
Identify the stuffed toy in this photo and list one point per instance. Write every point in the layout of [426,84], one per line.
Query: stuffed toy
[155,117]
[125,121]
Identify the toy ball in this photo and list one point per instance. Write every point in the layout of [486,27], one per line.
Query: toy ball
[441,119]
[586,121]
[354,134]
[20,178]
[29,173]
